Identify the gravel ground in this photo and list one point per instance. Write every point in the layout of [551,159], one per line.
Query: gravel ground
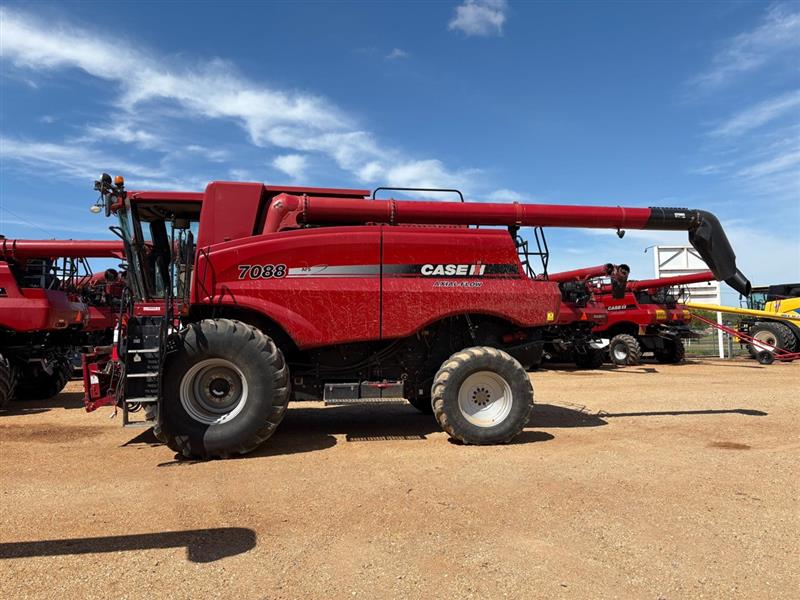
[645,482]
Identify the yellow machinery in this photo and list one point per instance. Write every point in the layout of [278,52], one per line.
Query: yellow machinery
[771,319]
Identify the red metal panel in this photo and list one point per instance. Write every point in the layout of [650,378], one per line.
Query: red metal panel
[329,292]
[35,309]
[229,211]
[410,302]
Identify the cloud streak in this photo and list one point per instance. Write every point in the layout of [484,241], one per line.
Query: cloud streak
[760,114]
[777,36]
[272,118]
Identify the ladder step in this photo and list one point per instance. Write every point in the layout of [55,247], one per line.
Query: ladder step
[139,424]
[140,375]
[142,400]
[341,401]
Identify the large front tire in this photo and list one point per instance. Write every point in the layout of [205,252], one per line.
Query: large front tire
[482,395]
[590,358]
[8,382]
[225,390]
[40,385]
[673,352]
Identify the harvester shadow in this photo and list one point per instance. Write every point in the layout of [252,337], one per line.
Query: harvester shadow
[573,370]
[304,427]
[67,400]
[202,545]
[749,412]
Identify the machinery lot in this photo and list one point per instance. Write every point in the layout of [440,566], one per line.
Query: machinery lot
[658,481]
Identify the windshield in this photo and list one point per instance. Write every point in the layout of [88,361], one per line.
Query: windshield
[131,250]
[160,242]
[757,300]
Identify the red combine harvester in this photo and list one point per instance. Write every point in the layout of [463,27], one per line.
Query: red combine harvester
[646,318]
[248,295]
[44,314]
[572,338]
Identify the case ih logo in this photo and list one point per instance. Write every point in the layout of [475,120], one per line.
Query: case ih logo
[452,270]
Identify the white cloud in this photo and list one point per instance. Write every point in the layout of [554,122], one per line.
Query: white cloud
[396,53]
[76,161]
[760,114]
[778,35]
[480,17]
[289,119]
[294,165]
[775,164]
[506,195]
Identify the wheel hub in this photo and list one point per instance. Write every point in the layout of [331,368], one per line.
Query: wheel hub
[484,399]
[213,391]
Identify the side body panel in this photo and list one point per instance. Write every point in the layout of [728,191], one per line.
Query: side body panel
[328,286]
[322,286]
[36,309]
[434,272]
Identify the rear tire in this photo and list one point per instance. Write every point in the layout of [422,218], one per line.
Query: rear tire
[771,335]
[225,391]
[8,382]
[591,359]
[422,404]
[625,350]
[482,395]
[41,385]
[673,353]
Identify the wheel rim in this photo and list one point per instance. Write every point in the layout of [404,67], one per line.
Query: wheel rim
[213,391]
[620,352]
[767,340]
[484,399]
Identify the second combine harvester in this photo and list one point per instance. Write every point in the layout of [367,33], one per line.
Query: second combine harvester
[247,295]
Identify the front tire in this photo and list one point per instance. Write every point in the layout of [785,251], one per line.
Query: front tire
[590,359]
[40,385]
[673,353]
[482,395]
[8,382]
[225,390]
[625,350]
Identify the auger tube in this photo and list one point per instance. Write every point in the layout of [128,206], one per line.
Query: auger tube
[24,249]
[288,211]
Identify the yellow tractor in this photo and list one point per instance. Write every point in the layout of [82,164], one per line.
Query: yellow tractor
[769,333]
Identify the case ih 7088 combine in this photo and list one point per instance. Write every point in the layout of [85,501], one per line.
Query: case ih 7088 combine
[247,295]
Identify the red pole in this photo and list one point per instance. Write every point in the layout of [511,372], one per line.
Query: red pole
[662,282]
[581,274]
[23,249]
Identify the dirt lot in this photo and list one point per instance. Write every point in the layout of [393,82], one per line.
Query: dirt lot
[647,482]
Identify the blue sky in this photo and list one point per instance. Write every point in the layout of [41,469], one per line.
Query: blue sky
[641,104]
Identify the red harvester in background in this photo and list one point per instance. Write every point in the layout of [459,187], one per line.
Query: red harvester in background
[45,292]
[646,318]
